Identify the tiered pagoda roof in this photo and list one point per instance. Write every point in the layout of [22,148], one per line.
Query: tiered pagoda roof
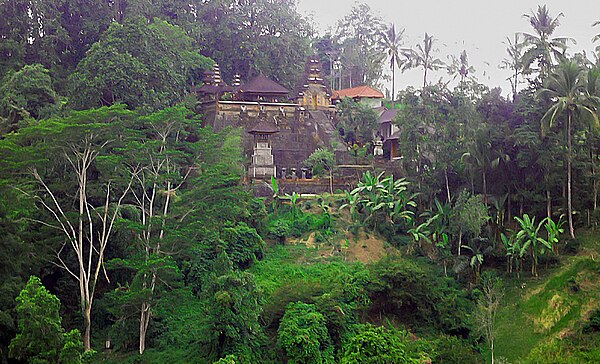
[260,85]
[312,75]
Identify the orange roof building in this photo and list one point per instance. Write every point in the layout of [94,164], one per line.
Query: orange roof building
[364,94]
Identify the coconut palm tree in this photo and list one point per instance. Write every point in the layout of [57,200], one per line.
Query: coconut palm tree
[423,57]
[541,47]
[391,42]
[514,62]
[567,90]
[460,67]
[595,39]
[482,155]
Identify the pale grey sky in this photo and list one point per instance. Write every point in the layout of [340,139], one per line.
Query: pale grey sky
[479,26]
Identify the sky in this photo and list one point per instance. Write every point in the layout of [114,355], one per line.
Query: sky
[478,26]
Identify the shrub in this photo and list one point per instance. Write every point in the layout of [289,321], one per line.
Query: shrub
[452,350]
[303,336]
[41,337]
[377,345]
[279,230]
[415,296]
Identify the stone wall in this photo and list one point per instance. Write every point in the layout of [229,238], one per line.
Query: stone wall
[303,186]
[300,131]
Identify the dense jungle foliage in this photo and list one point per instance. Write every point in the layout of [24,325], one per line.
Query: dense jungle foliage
[130,236]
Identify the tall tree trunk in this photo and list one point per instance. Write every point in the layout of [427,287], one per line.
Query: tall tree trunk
[472,175]
[492,350]
[485,197]
[509,205]
[393,83]
[569,176]
[548,203]
[447,184]
[144,322]
[424,77]
[83,274]
[87,317]
[594,180]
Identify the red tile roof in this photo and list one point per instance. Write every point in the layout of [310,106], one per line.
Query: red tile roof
[357,92]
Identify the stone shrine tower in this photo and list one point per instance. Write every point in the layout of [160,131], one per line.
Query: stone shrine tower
[262,164]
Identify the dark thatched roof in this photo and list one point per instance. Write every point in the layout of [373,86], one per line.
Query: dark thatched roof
[264,127]
[262,85]
[388,116]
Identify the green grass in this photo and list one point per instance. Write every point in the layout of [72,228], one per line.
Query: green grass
[557,299]
[300,264]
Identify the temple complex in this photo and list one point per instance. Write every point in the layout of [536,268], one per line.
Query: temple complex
[281,130]
[282,127]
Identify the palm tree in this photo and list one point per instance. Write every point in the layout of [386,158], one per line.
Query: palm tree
[391,42]
[566,88]
[595,39]
[541,46]
[460,67]
[422,56]
[514,62]
[483,156]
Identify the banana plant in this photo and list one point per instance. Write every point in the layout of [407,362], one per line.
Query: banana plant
[479,248]
[293,198]
[325,208]
[513,249]
[275,197]
[530,240]
[352,203]
[382,199]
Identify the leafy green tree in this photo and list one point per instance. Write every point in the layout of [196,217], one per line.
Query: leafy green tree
[483,157]
[487,308]
[468,216]
[358,122]
[41,337]
[376,345]
[433,133]
[163,162]
[303,335]
[322,159]
[26,93]
[362,57]
[61,154]
[250,37]
[566,87]
[423,57]
[31,33]
[233,306]
[147,66]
